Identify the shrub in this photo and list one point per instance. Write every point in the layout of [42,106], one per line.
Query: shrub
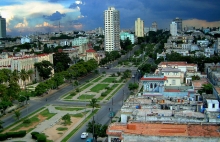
[3,137]
[27,121]
[103,94]
[107,88]
[77,90]
[15,134]
[73,94]
[34,135]
[41,138]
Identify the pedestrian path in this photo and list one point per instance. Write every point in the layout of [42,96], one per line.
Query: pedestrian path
[51,122]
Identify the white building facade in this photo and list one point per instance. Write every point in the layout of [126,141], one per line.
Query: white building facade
[112,29]
[173,29]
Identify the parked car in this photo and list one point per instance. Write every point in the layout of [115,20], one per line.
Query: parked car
[84,135]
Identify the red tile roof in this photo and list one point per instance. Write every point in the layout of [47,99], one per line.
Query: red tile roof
[90,50]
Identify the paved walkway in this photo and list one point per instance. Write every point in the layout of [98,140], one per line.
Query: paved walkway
[51,122]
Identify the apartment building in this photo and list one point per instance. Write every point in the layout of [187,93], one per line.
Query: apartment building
[139,28]
[112,29]
[125,35]
[173,29]
[2,27]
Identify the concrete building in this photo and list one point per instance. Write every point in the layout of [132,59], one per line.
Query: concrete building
[218,45]
[173,29]
[174,76]
[178,21]
[139,28]
[99,31]
[26,39]
[2,27]
[154,25]
[183,66]
[153,84]
[79,41]
[151,132]
[25,62]
[125,35]
[112,29]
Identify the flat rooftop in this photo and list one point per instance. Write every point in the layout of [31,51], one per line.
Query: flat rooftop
[153,129]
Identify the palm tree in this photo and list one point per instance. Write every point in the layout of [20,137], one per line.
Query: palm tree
[30,72]
[15,76]
[24,76]
[93,103]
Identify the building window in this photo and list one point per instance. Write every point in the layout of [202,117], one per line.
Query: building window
[173,82]
[151,85]
[213,105]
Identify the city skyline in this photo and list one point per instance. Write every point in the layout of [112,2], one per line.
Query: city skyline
[27,17]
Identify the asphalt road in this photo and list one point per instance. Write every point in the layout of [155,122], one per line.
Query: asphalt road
[101,116]
[36,104]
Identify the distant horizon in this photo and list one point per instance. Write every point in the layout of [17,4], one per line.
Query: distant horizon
[27,17]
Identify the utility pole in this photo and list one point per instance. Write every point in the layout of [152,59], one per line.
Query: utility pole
[93,122]
[123,97]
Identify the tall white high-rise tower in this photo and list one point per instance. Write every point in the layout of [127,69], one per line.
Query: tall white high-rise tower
[173,29]
[112,29]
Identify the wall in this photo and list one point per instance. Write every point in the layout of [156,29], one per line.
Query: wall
[138,138]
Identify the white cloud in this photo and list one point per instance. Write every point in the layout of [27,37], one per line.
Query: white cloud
[22,25]
[78,2]
[45,24]
[29,9]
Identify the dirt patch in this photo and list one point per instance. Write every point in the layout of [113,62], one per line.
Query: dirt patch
[41,119]
[54,134]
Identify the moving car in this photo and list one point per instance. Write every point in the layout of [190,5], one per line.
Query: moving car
[84,135]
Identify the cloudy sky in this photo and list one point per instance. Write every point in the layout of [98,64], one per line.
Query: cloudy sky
[31,16]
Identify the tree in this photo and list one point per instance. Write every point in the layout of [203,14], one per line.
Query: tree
[17,114]
[14,76]
[1,126]
[24,76]
[13,90]
[41,88]
[44,68]
[206,88]
[4,104]
[97,129]
[61,59]
[133,86]
[67,119]
[93,103]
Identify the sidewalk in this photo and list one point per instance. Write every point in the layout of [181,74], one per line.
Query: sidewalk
[50,123]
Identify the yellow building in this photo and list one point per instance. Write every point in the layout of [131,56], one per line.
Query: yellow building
[139,28]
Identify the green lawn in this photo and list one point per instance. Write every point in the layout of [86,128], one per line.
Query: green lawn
[80,114]
[69,108]
[98,87]
[109,80]
[86,86]
[47,114]
[32,120]
[97,79]
[85,97]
